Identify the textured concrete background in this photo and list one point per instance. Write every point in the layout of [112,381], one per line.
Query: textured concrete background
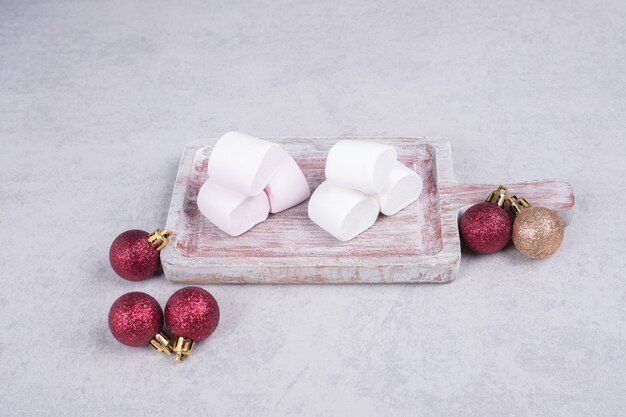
[98,98]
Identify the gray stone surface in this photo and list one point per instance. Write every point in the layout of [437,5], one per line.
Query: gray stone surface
[97,99]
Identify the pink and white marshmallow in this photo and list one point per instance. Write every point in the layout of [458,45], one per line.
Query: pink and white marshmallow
[243,163]
[248,178]
[342,212]
[288,187]
[232,212]
[402,187]
[362,178]
[360,165]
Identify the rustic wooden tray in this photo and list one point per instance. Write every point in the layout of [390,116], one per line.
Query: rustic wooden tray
[419,244]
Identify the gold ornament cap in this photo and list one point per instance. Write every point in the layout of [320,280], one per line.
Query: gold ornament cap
[160,238]
[498,196]
[161,342]
[182,348]
[518,203]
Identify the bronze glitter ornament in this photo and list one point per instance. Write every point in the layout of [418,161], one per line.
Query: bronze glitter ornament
[537,231]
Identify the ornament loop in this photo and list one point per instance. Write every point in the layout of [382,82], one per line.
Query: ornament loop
[160,238]
[161,342]
[182,348]
[518,203]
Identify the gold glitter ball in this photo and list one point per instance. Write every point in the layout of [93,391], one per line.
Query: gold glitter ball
[537,232]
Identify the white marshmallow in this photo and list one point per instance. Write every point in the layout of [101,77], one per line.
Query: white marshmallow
[342,212]
[244,163]
[403,186]
[288,186]
[360,165]
[232,212]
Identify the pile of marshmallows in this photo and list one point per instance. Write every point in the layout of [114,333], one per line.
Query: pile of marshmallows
[362,179]
[250,178]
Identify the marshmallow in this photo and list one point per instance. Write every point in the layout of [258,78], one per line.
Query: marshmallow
[244,163]
[342,212]
[288,186]
[403,186]
[360,165]
[232,212]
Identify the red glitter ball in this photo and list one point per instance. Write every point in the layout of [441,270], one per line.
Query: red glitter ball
[135,318]
[192,313]
[485,227]
[133,257]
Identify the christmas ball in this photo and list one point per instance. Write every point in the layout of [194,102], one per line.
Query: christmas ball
[485,227]
[133,257]
[192,313]
[135,318]
[537,232]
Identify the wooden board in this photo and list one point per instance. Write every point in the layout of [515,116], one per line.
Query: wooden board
[419,244]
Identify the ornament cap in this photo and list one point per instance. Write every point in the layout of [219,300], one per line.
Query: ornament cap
[161,342]
[518,203]
[498,196]
[182,347]
[160,238]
